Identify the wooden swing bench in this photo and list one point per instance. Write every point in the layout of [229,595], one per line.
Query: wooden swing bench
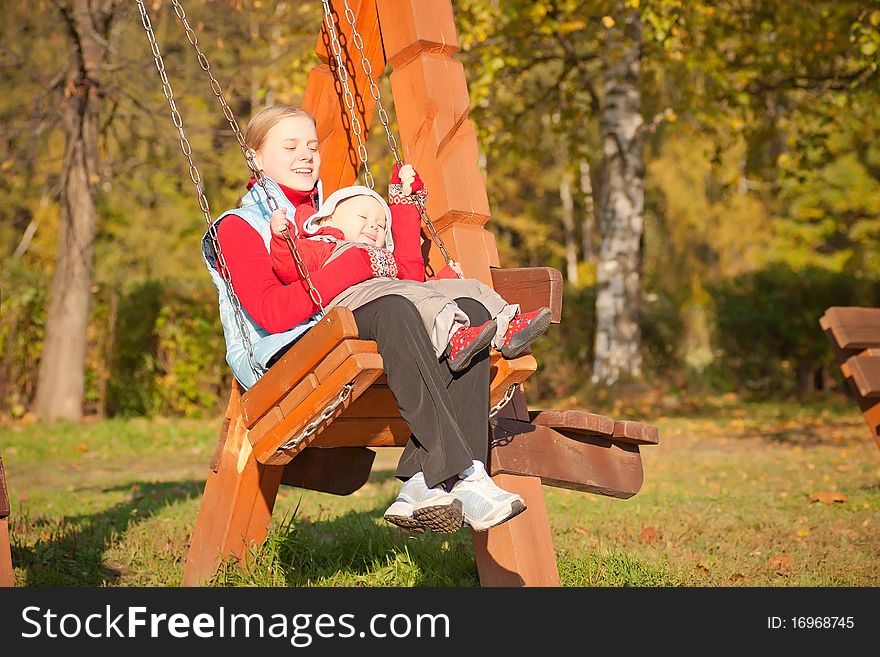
[312,419]
[6,574]
[854,335]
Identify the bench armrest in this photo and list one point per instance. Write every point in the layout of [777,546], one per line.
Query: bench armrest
[531,288]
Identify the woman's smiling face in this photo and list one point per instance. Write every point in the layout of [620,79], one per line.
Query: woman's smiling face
[289,155]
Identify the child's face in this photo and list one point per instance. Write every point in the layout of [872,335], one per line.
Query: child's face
[289,155]
[361,219]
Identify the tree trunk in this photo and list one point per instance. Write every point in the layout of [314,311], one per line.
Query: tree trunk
[589,223]
[61,380]
[618,275]
[571,254]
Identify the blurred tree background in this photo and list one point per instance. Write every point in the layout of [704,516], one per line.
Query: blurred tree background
[750,191]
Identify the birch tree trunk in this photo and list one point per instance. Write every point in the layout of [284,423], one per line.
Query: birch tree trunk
[618,275]
[588,226]
[61,378]
[571,252]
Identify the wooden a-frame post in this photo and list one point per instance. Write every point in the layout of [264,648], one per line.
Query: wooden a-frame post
[417,40]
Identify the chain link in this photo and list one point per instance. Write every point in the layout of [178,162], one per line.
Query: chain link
[195,176]
[367,66]
[325,415]
[504,400]
[347,96]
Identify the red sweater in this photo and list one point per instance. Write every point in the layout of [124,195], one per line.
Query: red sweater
[405,227]
[272,304]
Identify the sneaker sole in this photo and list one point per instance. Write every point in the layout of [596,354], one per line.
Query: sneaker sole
[407,523]
[482,341]
[516,507]
[519,343]
[441,519]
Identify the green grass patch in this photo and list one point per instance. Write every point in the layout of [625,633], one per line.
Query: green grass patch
[728,500]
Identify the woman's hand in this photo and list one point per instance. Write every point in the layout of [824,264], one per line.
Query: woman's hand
[455,266]
[278,221]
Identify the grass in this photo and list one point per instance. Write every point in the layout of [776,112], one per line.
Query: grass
[726,501]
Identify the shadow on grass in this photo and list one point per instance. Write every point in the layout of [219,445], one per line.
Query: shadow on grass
[69,551]
[357,548]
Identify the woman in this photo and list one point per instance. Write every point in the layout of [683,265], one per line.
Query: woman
[446,484]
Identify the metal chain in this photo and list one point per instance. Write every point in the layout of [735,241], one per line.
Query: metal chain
[197,181]
[501,404]
[347,96]
[257,172]
[326,414]
[367,66]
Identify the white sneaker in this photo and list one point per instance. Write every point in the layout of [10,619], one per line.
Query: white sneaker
[484,503]
[418,507]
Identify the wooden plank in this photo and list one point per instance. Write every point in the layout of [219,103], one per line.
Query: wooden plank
[531,288]
[233,403]
[365,432]
[336,357]
[4,493]
[592,464]
[377,402]
[865,372]
[854,327]
[520,551]
[504,373]
[360,369]
[579,422]
[339,471]
[323,96]
[236,507]
[300,359]
[7,574]
[285,407]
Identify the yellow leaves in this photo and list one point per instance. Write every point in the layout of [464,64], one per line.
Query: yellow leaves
[608,22]
[828,497]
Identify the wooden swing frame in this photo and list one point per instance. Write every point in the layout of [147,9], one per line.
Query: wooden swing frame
[570,449]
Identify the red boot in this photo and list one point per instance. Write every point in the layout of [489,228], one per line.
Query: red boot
[524,329]
[467,342]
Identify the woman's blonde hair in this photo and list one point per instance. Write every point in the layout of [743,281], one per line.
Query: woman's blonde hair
[266,119]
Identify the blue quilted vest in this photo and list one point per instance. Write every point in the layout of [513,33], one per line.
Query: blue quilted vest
[254,210]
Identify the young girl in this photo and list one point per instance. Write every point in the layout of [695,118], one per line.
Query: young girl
[442,465]
[357,217]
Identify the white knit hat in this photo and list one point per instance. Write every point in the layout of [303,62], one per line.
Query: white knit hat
[328,207]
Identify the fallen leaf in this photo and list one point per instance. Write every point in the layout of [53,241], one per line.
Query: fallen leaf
[736,577]
[828,497]
[648,535]
[581,530]
[702,568]
[779,563]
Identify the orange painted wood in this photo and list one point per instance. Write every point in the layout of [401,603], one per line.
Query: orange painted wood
[233,403]
[286,406]
[377,402]
[324,97]
[338,471]
[6,572]
[416,26]
[301,358]
[504,373]
[362,369]
[365,432]
[520,551]
[236,507]
[591,424]
[531,288]
[864,369]
[336,357]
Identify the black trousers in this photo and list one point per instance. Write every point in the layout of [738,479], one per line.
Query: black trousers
[447,411]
